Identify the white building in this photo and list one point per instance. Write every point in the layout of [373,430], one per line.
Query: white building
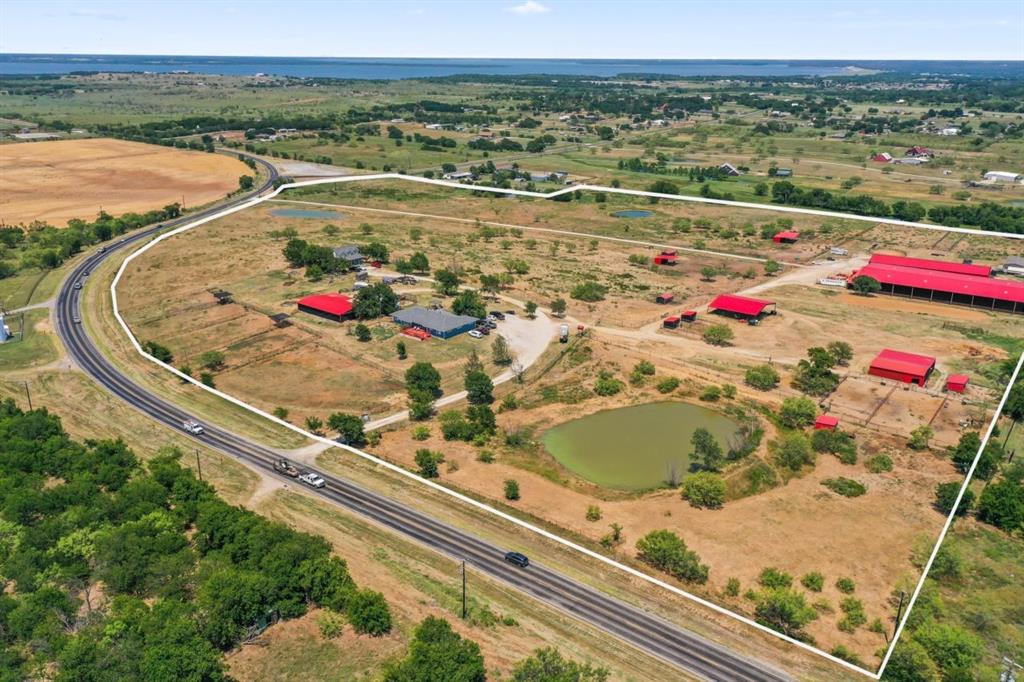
[1002,176]
[949,132]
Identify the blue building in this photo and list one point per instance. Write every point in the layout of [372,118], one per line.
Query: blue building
[439,323]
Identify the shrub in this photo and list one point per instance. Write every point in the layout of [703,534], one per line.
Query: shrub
[667,552]
[729,391]
[427,461]
[704,489]
[794,451]
[838,443]
[362,332]
[845,585]
[369,613]
[281,413]
[854,616]
[511,489]
[760,477]
[1002,505]
[593,513]
[421,432]
[762,377]
[668,384]
[591,292]
[879,463]
[485,456]
[813,581]
[920,437]
[841,652]
[331,624]
[732,587]
[847,487]
[784,610]
[773,578]
[798,412]
[606,384]
[945,498]
[711,394]
[718,335]
[644,367]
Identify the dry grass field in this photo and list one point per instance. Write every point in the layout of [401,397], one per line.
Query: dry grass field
[795,524]
[56,181]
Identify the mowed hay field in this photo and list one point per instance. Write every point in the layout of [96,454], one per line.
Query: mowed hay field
[57,181]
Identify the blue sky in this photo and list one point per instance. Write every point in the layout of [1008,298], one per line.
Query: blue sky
[695,29]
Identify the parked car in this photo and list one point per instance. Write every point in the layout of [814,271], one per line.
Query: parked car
[517,559]
[313,480]
[497,315]
[475,333]
[193,427]
[483,329]
[489,323]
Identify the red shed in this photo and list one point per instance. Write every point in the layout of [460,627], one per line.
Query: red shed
[787,237]
[884,157]
[957,383]
[664,298]
[671,322]
[665,259]
[741,305]
[906,367]
[337,307]
[826,422]
[688,315]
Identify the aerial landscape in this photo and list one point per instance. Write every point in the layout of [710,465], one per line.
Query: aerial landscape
[572,360]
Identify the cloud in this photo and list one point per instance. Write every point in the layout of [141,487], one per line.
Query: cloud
[530,7]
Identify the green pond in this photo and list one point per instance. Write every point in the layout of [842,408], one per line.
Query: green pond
[633,448]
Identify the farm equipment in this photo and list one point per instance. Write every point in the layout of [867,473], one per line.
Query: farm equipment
[283,466]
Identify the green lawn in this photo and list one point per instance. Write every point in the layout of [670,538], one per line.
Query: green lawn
[36,348]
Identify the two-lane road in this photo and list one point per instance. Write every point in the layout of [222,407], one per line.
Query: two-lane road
[647,632]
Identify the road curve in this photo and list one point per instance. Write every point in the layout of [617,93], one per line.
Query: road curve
[649,633]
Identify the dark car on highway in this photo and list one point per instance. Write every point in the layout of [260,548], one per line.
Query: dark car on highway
[517,559]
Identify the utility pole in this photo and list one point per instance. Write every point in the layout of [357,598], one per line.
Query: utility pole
[463,590]
[199,465]
[28,394]
[899,612]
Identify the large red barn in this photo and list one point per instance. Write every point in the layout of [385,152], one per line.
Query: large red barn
[909,368]
[337,307]
[929,264]
[741,305]
[946,287]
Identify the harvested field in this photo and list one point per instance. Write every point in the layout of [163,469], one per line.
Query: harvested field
[57,181]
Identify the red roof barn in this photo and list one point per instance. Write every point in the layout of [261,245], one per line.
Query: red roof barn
[671,322]
[929,264]
[664,259]
[909,368]
[788,237]
[957,383]
[826,422]
[946,287]
[741,305]
[664,298]
[884,157]
[918,151]
[337,307]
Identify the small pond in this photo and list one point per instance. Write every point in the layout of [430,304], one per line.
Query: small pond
[632,213]
[306,213]
[632,448]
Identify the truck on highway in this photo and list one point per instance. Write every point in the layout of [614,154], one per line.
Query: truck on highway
[193,427]
[313,480]
[283,466]
[563,333]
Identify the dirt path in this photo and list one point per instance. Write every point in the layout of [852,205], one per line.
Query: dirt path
[34,306]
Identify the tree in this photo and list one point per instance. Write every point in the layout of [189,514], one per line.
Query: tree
[865,285]
[663,187]
[762,377]
[718,335]
[446,282]
[419,262]
[373,301]
[479,387]
[349,428]
[369,613]
[920,437]
[814,375]
[427,461]
[841,352]
[667,552]
[784,610]
[590,291]
[511,489]
[531,309]
[794,451]
[401,350]
[945,498]
[212,360]
[797,413]
[423,377]
[558,307]
[949,646]
[314,424]
[161,353]
[421,405]
[771,267]
[704,489]
[246,182]
[375,251]
[438,653]
[468,302]
[1002,505]
[707,449]
[206,379]
[500,351]
[910,663]
[547,665]
[707,273]
[362,332]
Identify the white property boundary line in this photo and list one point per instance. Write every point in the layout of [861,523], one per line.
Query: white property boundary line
[497,512]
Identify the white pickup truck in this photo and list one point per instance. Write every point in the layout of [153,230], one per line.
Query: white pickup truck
[193,427]
[313,480]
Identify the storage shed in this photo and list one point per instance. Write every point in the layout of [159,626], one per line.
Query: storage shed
[741,306]
[671,322]
[337,307]
[909,368]
[957,383]
[664,298]
[826,422]
[665,260]
[786,237]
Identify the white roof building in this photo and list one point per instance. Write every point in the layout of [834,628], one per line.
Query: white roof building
[1002,176]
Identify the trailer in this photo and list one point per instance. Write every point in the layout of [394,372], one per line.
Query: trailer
[563,333]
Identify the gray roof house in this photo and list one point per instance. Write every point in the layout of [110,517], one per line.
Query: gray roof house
[440,323]
[350,253]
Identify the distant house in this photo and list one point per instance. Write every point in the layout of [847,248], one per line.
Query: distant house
[884,157]
[461,175]
[486,134]
[919,151]
[664,298]
[911,160]
[350,254]
[1002,176]
[787,237]
[729,169]
[948,132]
[783,172]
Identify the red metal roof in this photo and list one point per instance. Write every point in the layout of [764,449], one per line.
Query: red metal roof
[741,305]
[957,380]
[946,282]
[904,363]
[929,264]
[672,318]
[826,420]
[789,234]
[665,297]
[333,304]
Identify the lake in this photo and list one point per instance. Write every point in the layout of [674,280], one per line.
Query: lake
[631,448]
[632,214]
[306,213]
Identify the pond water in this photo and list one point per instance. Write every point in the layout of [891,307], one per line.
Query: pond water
[306,213]
[632,448]
[633,214]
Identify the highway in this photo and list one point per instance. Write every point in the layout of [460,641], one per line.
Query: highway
[653,635]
